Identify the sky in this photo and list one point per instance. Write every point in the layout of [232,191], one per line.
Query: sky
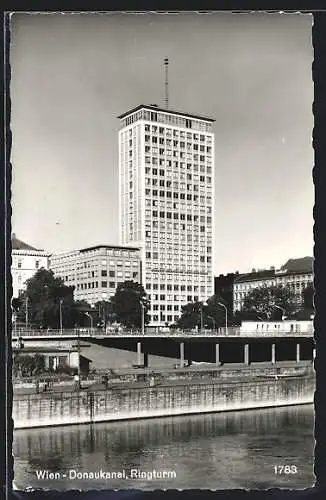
[73,74]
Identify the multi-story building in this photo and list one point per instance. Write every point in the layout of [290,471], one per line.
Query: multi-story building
[297,274]
[166,167]
[26,260]
[223,287]
[96,271]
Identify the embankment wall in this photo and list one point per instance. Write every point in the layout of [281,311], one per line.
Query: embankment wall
[37,410]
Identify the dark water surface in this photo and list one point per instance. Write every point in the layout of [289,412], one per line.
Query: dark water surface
[216,451]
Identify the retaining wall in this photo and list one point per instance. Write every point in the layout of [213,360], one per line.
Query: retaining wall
[39,410]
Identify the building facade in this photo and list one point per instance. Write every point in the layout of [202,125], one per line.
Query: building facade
[26,260]
[297,274]
[166,183]
[96,271]
[223,287]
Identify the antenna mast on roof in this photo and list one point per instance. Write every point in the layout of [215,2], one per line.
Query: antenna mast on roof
[166,85]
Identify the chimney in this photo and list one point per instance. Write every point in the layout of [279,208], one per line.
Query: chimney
[253,270]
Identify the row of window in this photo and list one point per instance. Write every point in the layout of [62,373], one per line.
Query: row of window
[178,276]
[176,154]
[103,273]
[20,264]
[168,142]
[169,318]
[155,256]
[96,284]
[95,253]
[182,288]
[304,279]
[169,307]
[167,118]
[175,175]
[186,217]
[175,298]
[183,206]
[182,196]
[176,133]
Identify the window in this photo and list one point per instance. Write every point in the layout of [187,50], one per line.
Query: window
[19,264]
[104,272]
[112,274]
[112,284]
[104,284]
[37,264]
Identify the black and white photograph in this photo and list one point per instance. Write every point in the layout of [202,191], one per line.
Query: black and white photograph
[162,250]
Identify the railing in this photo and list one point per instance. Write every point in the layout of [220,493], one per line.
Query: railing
[97,333]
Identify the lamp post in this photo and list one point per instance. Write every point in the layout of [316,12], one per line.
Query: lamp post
[142,317]
[214,322]
[91,318]
[226,316]
[60,313]
[26,312]
[282,309]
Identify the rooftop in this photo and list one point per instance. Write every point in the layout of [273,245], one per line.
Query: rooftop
[304,264]
[265,273]
[17,244]
[118,247]
[292,266]
[165,110]
[94,247]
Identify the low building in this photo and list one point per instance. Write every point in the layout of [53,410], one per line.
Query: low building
[96,271]
[297,274]
[26,260]
[270,328]
[56,357]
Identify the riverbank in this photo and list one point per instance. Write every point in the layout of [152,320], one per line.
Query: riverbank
[177,397]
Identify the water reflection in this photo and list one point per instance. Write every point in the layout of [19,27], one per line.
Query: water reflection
[226,450]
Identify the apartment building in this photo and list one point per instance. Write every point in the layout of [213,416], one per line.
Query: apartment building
[166,172]
[296,274]
[96,271]
[26,260]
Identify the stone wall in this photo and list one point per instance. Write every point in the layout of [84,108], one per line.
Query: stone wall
[131,403]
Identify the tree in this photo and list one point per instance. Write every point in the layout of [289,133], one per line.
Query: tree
[215,312]
[44,297]
[210,315]
[27,365]
[190,316]
[127,304]
[104,313]
[268,302]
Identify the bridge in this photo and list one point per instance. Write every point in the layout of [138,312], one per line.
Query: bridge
[219,347]
[88,333]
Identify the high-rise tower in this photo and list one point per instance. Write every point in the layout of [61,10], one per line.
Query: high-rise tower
[166,193]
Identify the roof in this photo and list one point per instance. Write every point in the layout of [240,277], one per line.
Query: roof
[165,110]
[95,247]
[266,273]
[44,349]
[304,265]
[17,244]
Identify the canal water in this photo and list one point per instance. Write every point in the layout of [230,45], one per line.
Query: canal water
[245,449]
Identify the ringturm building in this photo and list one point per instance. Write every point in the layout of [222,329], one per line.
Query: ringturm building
[166,193]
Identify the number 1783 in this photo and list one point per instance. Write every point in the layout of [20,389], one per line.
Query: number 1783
[285,469]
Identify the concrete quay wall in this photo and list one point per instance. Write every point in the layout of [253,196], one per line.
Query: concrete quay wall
[66,408]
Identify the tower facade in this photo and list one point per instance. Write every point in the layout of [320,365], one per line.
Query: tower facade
[166,193]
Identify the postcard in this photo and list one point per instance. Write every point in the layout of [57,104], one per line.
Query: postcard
[162,250]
